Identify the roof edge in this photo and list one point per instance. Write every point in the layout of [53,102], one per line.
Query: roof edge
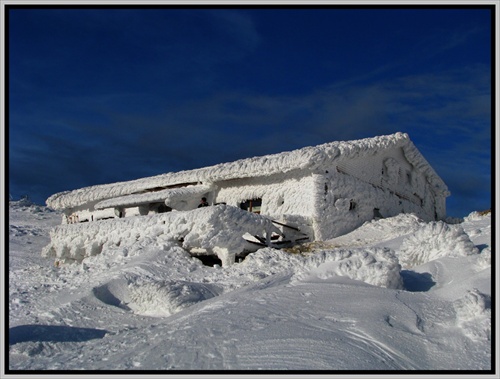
[309,157]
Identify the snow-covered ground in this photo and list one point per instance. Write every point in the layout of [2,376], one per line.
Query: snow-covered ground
[395,294]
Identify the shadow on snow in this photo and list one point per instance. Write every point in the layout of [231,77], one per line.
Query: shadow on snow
[417,282]
[52,333]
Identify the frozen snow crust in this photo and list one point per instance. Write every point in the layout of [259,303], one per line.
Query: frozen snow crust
[148,305]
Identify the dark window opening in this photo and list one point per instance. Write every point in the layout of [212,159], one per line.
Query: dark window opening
[253,205]
[163,208]
[352,205]
[376,213]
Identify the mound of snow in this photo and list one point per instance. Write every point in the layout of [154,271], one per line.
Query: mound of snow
[219,229]
[379,230]
[396,225]
[91,316]
[484,259]
[473,313]
[271,261]
[167,297]
[375,266]
[154,297]
[433,241]
[474,216]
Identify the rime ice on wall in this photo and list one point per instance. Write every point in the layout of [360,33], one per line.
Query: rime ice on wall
[384,184]
[286,197]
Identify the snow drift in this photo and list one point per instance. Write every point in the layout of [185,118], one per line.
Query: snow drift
[474,314]
[433,241]
[376,266]
[218,229]
[150,305]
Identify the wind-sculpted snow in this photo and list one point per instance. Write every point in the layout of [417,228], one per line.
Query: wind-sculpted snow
[160,296]
[474,314]
[380,229]
[167,297]
[484,260]
[435,240]
[474,216]
[150,305]
[218,228]
[376,266]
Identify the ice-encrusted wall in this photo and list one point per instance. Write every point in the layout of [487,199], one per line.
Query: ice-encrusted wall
[338,198]
[287,197]
[354,191]
[388,169]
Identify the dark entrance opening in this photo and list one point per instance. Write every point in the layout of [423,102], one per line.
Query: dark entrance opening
[209,260]
[212,260]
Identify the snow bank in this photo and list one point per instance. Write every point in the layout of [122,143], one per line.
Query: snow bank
[484,259]
[474,216]
[433,241]
[379,230]
[219,229]
[158,296]
[247,316]
[375,266]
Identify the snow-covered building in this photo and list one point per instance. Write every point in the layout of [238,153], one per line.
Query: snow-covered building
[322,191]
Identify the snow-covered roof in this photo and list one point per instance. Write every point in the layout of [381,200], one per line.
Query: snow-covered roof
[166,195]
[311,157]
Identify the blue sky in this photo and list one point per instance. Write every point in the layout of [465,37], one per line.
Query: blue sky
[102,95]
